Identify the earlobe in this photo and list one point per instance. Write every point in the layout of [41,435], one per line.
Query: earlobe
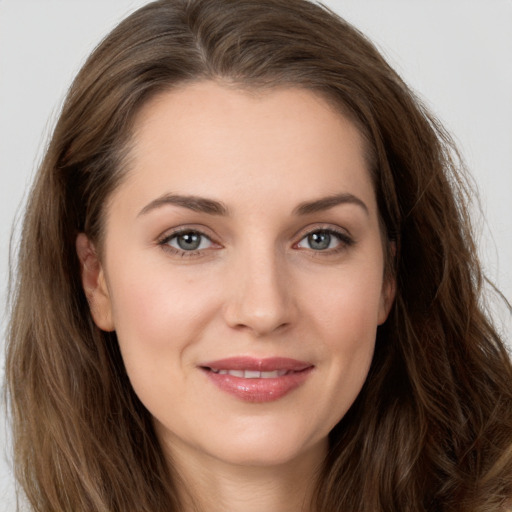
[94,283]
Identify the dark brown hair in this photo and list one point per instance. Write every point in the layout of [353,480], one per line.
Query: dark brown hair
[432,428]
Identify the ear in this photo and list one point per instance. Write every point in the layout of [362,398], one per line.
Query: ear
[94,283]
[387,298]
[388,289]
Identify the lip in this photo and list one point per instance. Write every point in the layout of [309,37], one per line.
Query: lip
[257,390]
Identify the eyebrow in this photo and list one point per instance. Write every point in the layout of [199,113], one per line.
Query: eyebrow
[212,207]
[194,203]
[325,203]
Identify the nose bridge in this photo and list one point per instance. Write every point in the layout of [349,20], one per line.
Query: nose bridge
[259,294]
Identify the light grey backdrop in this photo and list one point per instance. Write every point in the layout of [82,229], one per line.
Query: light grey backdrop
[454,53]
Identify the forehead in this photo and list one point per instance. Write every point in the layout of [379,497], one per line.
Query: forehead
[211,139]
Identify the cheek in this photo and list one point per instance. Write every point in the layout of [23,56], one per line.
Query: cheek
[350,333]
[347,304]
[345,318]
[158,313]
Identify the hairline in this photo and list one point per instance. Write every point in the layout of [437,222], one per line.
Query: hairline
[127,139]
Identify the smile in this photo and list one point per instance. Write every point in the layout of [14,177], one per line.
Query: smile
[252,374]
[257,380]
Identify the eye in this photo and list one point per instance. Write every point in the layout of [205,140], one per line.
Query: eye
[325,240]
[187,241]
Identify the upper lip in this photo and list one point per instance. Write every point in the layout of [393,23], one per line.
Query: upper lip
[268,364]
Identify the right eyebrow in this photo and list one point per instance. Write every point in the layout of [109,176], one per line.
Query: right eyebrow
[194,203]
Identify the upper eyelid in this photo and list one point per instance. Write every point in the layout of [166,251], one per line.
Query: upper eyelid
[322,227]
[170,236]
[343,239]
[170,233]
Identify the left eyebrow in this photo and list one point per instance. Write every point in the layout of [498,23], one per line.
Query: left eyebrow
[325,203]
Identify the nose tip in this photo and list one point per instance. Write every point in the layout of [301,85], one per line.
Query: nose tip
[256,319]
[260,300]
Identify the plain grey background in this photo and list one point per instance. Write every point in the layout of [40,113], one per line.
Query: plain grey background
[454,53]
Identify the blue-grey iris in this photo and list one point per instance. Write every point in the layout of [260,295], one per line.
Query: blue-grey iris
[189,241]
[319,240]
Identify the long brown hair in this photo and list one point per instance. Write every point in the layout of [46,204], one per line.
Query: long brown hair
[432,428]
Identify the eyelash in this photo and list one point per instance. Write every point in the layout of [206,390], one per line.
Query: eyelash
[164,242]
[345,241]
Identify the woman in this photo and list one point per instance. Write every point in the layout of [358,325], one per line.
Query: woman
[247,281]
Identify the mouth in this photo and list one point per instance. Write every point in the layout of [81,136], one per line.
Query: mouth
[257,380]
[251,374]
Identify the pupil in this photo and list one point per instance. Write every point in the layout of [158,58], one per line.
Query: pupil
[189,241]
[319,240]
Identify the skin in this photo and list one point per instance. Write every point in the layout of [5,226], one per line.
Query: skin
[255,287]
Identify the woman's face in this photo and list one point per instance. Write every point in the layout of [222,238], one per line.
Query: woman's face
[242,271]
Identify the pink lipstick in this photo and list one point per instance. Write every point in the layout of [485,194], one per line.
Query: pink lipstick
[257,380]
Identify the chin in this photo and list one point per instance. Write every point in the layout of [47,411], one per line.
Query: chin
[268,447]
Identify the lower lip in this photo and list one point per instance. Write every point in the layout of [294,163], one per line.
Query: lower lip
[259,390]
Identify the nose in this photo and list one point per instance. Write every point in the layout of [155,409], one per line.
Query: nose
[259,294]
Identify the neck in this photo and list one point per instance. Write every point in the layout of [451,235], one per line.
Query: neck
[213,485]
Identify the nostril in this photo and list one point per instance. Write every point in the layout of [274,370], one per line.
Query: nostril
[261,298]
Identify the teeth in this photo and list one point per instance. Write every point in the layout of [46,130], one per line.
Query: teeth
[274,374]
[251,374]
